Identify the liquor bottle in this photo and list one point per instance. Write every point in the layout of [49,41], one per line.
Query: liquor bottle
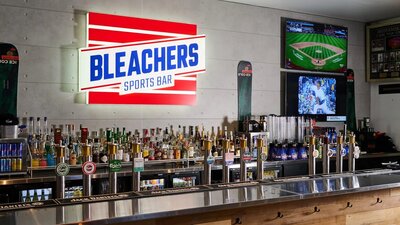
[31,126]
[78,151]
[96,149]
[72,156]
[42,196]
[172,133]
[191,146]
[45,128]
[35,152]
[185,134]
[37,127]
[35,196]
[51,155]
[28,196]
[120,149]
[103,153]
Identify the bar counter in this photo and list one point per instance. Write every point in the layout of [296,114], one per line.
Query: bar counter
[308,199]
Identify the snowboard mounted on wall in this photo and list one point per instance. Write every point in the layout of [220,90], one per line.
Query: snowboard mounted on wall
[350,102]
[9,62]
[245,76]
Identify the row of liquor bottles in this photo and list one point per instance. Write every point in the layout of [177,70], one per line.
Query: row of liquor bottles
[156,143]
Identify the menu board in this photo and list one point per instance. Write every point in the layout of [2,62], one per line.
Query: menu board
[383,51]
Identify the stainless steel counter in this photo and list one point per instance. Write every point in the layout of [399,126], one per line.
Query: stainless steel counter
[39,175]
[132,206]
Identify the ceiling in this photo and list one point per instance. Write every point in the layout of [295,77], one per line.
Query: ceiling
[357,10]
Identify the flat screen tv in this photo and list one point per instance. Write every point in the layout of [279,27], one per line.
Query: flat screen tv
[314,46]
[319,96]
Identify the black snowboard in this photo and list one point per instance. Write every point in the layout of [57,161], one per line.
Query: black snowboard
[350,102]
[9,61]
[245,75]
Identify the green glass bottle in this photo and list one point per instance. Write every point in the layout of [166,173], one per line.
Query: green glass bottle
[28,196]
[35,196]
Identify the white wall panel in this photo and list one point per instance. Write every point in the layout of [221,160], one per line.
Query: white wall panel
[53,5]
[362,106]
[48,34]
[266,102]
[356,58]
[360,85]
[385,113]
[14,24]
[220,74]
[242,46]
[266,76]
[117,7]
[48,65]
[177,10]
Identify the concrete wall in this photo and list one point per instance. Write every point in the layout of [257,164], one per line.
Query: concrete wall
[384,113]
[48,33]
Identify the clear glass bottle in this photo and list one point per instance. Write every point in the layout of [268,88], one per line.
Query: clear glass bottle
[42,196]
[72,156]
[96,150]
[35,161]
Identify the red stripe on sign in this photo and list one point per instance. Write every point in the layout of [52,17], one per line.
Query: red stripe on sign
[143,43]
[196,71]
[121,37]
[99,86]
[93,45]
[138,98]
[182,85]
[140,23]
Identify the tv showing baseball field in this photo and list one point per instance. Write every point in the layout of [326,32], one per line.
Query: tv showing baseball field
[314,46]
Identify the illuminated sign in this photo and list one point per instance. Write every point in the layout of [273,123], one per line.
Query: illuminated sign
[140,61]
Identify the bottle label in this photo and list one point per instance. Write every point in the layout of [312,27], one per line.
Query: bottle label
[191,152]
[72,159]
[127,157]
[104,158]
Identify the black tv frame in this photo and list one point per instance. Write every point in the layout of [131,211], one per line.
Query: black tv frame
[340,96]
